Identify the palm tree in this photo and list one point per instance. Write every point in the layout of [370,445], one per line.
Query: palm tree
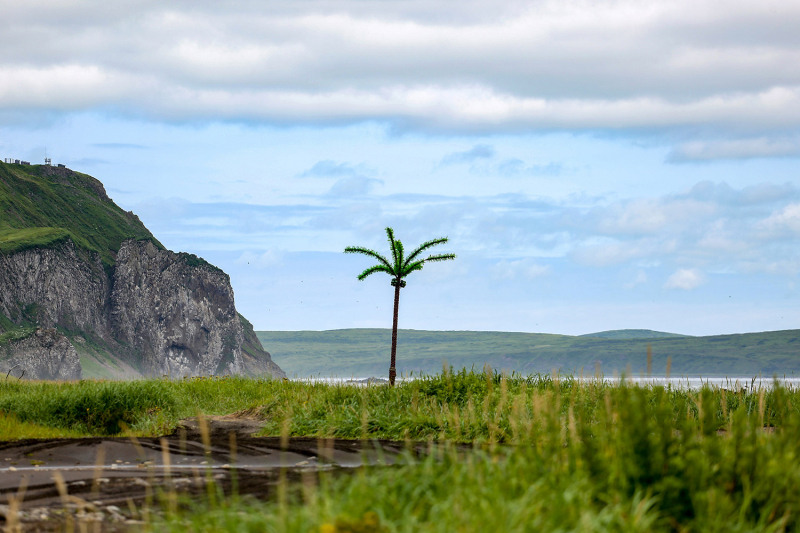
[398,268]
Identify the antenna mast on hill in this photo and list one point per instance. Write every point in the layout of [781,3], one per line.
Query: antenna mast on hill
[47,161]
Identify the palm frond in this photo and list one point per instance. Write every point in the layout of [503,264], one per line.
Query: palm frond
[373,269]
[367,251]
[400,253]
[392,245]
[402,266]
[413,267]
[440,257]
[424,246]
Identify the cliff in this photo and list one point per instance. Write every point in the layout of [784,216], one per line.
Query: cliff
[72,259]
[45,354]
[254,363]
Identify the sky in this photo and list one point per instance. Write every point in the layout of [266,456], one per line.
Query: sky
[595,164]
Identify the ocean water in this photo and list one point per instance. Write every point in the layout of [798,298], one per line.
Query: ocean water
[683,382]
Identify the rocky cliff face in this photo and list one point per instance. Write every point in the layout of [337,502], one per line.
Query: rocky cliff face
[176,311]
[55,287]
[46,354]
[255,364]
[161,312]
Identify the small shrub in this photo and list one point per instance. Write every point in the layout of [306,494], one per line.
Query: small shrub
[98,407]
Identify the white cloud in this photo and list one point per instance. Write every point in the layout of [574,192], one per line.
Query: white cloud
[466,67]
[642,216]
[710,227]
[606,253]
[517,167]
[332,169]
[479,151]
[787,218]
[735,149]
[525,268]
[354,186]
[686,279]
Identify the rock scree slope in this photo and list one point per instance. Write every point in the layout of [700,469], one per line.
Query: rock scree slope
[74,263]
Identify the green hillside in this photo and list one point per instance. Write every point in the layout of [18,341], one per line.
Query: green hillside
[632,334]
[44,205]
[365,352]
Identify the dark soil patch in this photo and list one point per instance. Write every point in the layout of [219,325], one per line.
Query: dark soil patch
[108,478]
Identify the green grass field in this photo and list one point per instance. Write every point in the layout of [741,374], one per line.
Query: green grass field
[588,457]
[365,352]
[550,454]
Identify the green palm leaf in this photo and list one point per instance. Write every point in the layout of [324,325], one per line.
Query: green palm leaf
[392,245]
[424,246]
[413,267]
[440,257]
[399,258]
[371,270]
[368,252]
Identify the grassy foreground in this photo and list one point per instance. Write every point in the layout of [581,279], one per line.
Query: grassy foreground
[465,407]
[581,456]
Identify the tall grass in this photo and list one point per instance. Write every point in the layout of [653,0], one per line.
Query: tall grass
[586,457]
[469,406]
[465,406]
[86,407]
[550,453]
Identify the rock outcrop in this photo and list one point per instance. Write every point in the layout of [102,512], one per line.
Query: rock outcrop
[162,312]
[177,312]
[46,354]
[55,287]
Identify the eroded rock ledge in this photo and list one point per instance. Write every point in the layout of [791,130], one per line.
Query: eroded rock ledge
[164,313]
[46,354]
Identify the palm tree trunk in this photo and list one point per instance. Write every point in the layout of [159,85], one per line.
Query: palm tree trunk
[392,371]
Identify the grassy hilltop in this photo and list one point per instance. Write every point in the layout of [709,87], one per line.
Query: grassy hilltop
[365,352]
[43,205]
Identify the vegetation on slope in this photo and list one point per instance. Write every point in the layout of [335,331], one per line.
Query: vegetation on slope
[41,206]
[10,332]
[18,240]
[254,357]
[584,455]
[17,333]
[632,334]
[365,352]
